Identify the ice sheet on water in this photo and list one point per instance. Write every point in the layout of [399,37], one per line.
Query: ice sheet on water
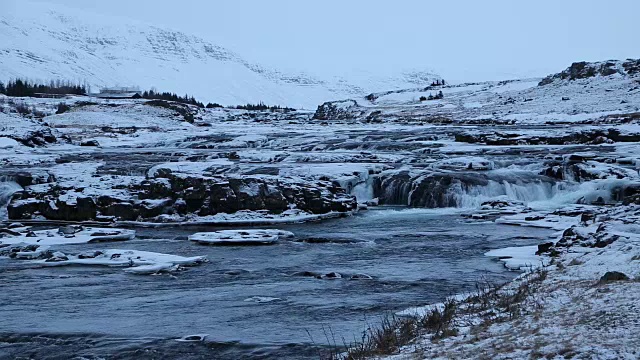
[67,235]
[245,237]
[133,261]
[519,257]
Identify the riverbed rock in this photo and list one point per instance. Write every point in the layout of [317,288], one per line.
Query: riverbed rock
[90,143]
[544,248]
[176,194]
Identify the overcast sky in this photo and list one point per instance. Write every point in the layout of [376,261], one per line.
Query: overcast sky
[463,40]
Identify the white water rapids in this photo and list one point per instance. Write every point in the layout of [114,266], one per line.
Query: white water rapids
[7,189]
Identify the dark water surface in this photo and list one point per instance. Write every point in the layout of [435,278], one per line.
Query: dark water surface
[415,257]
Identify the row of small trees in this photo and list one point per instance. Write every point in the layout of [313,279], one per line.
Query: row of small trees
[186,99]
[24,88]
[262,107]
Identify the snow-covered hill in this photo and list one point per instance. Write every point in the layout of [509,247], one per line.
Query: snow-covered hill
[582,92]
[43,42]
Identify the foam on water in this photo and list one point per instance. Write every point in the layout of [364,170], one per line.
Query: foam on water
[474,196]
[538,194]
[7,189]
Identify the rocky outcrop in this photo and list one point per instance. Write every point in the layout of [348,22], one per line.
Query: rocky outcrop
[613,276]
[186,111]
[180,195]
[585,237]
[338,110]
[40,137]
[629,194]
[592,137]
[585,70]
[580,171]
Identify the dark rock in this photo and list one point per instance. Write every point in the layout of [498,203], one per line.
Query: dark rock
[193,338]
[9,232]
[544,248]
[576,158]
[170,193]
[90,143]
[40,137]
[585,70]
[57,258]
[307,274]
[533,218]
[23,179]
[338,110]
[121,210]
[629,194]
[613,276]
[587,217]
[333,275]
[571,232]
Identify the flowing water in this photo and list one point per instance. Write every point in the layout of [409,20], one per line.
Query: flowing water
[7,189]
[250,300]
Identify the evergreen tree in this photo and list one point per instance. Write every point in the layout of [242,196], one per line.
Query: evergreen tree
[22,88]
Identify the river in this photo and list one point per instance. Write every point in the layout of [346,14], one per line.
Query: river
[252,301]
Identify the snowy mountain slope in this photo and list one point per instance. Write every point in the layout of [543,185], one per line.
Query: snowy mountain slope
[42,42]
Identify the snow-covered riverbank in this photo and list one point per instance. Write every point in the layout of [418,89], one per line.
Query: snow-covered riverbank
[580,299]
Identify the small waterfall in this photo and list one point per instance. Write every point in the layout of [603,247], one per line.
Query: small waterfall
[7,189]
[474,196]
[363,191]
[470,190]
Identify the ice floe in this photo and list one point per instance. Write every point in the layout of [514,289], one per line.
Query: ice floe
[240,237]
[66,235]
[519,257]
[133,261]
